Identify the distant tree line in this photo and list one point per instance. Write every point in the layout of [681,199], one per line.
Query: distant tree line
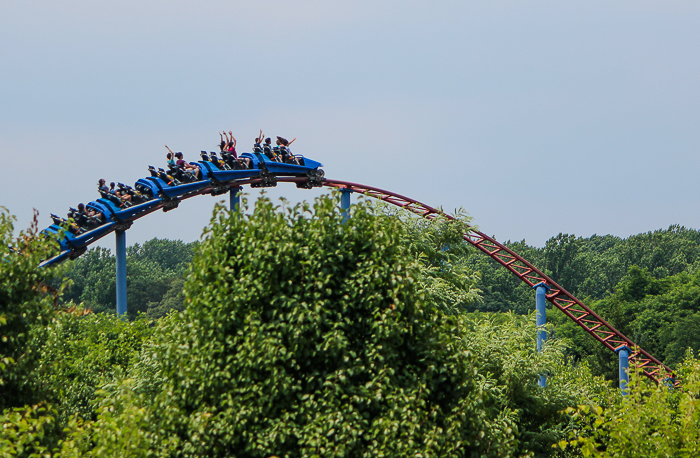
[589,268]
[646,286]
[155,278]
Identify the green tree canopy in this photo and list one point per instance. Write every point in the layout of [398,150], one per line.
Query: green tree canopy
[439,248]
[654,421]
[589,268]
[26,305]
[155,273]
[306,335]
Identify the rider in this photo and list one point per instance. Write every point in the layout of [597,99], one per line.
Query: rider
[257,147]
[269,151]
[124,196]
[82,216]
[91,218]
[231,145]
[170,156]
[283,146]
[187,167]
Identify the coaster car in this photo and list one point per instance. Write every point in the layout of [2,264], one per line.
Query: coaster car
[76,239]
[257,164]
[164,189]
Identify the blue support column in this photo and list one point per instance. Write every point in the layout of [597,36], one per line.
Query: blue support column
[540,305]
[623,355]
[345,202]
[235,202]
[670,382]
[121,272]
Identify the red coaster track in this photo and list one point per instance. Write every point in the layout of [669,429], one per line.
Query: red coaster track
[573,308]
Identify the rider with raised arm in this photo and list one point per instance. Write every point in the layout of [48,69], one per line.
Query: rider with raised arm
[231,145]
[170,156]
[283,145]
[257,143]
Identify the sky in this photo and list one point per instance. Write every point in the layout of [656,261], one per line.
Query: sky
[536,117]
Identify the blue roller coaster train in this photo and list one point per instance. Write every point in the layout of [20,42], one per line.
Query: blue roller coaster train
[166,189]
[116,211]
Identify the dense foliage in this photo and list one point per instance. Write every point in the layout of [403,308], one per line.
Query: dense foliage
[588,267]
[653,421]
[154,278]
[25,307]
[82,352]
[294,334]
[308,336]
[442,254]
[661,315]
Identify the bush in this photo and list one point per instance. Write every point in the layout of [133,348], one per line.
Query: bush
[653,421]
[83,352]
[303,335]
[26,305]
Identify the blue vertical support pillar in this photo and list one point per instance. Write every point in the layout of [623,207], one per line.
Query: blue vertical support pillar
[235,202]
[540,305]
[345,202]
[623,355]
[121,272]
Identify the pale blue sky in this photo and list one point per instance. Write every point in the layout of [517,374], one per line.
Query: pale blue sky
[536,117]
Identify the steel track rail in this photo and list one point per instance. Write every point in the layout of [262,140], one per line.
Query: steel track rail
[572,307]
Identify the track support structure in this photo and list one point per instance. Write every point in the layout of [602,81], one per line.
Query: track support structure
[623,355]
[235,198]
[573,308]
[541,290]
[345,202]
[121,272]
[567,303]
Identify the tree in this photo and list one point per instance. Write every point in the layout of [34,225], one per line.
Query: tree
[26,305]
[565,261]
[653,421]
[503,291]
[154,273]
[660,315]
[80,353]
[92,280]
[439,248]
[589,267]
[303,335]
[504,345]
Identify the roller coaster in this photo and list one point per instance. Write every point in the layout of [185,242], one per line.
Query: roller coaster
[165,190]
